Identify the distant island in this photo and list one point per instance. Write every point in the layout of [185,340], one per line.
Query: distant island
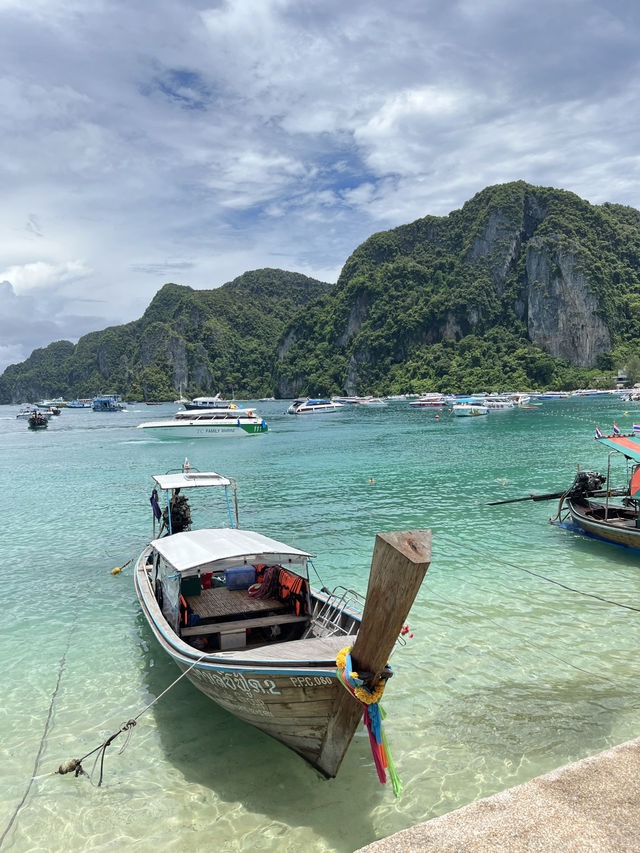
[522,288]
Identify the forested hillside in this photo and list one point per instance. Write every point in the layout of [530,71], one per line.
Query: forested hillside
[189,341]
[522,288]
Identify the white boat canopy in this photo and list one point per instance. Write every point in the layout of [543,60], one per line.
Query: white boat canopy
[223,548]
[191,479]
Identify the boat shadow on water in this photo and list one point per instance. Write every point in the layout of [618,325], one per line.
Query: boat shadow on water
[212,748]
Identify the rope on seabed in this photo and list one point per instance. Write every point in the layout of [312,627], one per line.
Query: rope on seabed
[527,641]
[61,667]
[74,765]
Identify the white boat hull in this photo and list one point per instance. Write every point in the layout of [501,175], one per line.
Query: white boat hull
[171,430]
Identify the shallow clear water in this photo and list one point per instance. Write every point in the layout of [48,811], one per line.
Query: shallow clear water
[507,676]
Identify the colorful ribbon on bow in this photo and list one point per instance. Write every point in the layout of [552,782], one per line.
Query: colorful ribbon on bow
[373,715]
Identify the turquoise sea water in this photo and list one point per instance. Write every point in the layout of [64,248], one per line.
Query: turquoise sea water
[507,676]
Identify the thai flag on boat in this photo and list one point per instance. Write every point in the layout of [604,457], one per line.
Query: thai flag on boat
[598,432]
[636,427]
[616,429]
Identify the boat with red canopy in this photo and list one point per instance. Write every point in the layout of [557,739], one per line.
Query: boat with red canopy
[613,516]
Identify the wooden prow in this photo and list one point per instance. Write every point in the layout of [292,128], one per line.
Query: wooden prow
[398,566]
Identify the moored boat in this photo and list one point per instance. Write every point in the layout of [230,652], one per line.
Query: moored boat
[602,511]
[205,403]
[27,411]
[466,410]
[428,401]
[208,423]
[108,403]
[80,403]
[314,406]
[274,654]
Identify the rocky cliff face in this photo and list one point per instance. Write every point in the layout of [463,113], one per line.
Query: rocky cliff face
[562,311]
[501,252]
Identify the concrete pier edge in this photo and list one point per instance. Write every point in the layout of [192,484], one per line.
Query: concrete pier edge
[591,805]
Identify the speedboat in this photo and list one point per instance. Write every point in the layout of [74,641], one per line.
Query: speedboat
[308,406]
[372,401]
[466,410]
[234,609]
[84,403]
[27,411]
[38,420]
[207,423]
[428,401]
[206,403]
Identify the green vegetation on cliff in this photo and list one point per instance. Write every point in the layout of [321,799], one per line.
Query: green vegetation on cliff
[193,341]
[523,287]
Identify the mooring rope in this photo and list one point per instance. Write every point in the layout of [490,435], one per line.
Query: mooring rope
[74,765]
[527,641]
[541,577]
[61,667]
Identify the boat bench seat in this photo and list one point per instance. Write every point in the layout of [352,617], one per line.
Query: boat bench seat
[239,626]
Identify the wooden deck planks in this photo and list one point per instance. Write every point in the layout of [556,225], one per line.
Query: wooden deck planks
[321,650]
[222,602]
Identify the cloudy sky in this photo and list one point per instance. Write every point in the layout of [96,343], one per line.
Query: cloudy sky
[189,141]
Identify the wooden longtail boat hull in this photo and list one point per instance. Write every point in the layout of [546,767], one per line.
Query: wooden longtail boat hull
[619,530]
[291,700]
[291,690]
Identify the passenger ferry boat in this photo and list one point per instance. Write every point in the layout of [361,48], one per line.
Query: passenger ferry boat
[207,423]
[307,406]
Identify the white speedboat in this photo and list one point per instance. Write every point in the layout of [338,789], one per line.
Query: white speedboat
[27,411]
[466,410]
[429,401]
[207,423]
[205,403]
[307,406]
[372,401]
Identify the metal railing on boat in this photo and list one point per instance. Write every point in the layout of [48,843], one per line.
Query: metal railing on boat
[338,613]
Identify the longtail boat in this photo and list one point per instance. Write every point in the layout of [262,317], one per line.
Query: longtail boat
[613,515]
[235,610]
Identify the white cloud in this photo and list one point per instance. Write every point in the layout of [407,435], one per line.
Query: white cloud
[39,274]
[173,140]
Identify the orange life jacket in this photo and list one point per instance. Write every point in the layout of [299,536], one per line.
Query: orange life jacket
[294,588]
